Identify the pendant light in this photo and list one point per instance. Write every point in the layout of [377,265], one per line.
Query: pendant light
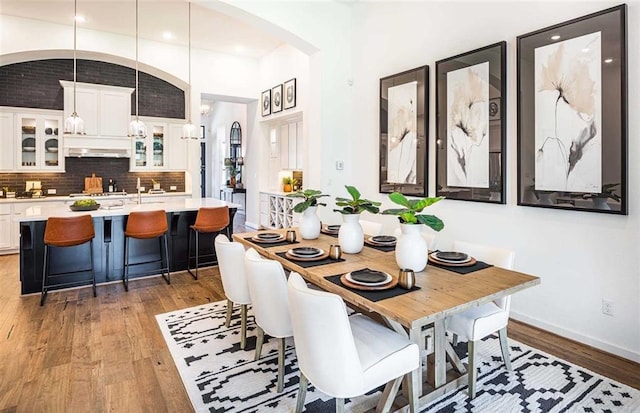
[189,129]
[74,123]
[137,128]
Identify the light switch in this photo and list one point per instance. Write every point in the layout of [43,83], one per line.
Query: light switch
[339,165]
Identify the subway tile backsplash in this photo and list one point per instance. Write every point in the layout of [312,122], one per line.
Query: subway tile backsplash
[77,169]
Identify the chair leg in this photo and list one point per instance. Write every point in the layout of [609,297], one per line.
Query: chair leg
[259,341]
[502,333]
[280,385]
[45,272]
[93,271]
[197,252]
[388,395]
[125,275]
[243,326]
[473,372]
[166,255]
[227,322]
[339,405]
[195,276]
[302,393]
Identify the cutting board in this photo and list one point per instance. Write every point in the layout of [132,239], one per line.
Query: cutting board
[93,184]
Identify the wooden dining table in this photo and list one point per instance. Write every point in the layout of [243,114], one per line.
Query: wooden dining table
[441,293]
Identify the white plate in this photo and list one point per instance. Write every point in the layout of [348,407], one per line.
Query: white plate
[434,255]
[319,253]
[386,281]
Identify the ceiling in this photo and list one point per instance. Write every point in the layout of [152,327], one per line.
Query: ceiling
[209,29]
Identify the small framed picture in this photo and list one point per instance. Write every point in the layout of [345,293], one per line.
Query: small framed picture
[276,99]
[494,109]
[266,102]
[290,94]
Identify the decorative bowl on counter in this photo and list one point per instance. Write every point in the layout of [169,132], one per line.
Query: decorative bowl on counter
[84,205]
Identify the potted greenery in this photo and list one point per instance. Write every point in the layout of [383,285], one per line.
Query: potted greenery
[411,249]
[351,236]
[309,227]
[287,184]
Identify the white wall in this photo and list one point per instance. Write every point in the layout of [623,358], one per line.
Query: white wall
[581,257]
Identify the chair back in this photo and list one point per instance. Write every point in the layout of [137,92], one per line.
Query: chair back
[212,219]
[67,232]
[428,235]
[146,224]
[499,257]
[232,271]
[325,347]
[268,289]
[371,228]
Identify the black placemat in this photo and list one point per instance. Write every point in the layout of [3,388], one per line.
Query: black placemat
[307,264]
[372,295]
[380,247]
[270,244]
[479,265]
[329,234]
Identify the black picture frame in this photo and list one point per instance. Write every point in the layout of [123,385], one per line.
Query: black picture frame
[265,102]
[471,125]
[276,99]
[412,182]
[289,94]
[592,161]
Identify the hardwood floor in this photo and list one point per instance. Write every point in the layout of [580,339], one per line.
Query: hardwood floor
[106,354]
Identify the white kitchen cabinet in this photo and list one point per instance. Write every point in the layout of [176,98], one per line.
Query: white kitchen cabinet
[39,142]
[278,210]
[7,141]
[6,239]
[177,154]
[291,145]
[149,153]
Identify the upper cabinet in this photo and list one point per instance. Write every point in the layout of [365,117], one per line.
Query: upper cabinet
[39,142]
[7,141]
[106,110]
[162,149]
[291,145]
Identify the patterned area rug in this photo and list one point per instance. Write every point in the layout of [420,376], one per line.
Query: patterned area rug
[220,377]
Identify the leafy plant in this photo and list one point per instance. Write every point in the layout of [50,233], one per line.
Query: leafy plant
[356,205]
[287,180]
[410,214]
[310,199]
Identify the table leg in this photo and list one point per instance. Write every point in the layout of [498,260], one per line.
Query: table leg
[439,342]
[414,389]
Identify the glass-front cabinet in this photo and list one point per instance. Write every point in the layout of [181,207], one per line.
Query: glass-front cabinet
[39,142]
[149,153]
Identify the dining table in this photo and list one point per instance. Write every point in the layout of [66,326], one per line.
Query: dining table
[438,293]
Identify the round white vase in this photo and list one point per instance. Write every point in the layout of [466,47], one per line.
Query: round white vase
[411,249]
[350,235]
[309,227]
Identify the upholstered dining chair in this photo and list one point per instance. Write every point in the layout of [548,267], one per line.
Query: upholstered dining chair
[371,228]
[476,323]
[347,356]
[428,235]
[234,280]
[268,289]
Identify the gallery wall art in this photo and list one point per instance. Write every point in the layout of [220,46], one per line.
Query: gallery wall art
[471,125]
[572,114]
[276,99]
[266,102]
[290,94]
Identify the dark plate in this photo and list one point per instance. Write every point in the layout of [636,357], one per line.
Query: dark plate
[384,239]
[85,208]
[333,227]
[305,251]
[368,276]
[268,235]
[452,255]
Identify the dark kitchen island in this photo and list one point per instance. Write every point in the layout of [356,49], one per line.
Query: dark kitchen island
[108,244]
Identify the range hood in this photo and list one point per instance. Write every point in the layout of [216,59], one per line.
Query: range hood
[96,147]
[96,153]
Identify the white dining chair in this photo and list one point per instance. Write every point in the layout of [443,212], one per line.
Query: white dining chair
[428,235]
[268,289]
[234,280]
[478,322]
[346,356]
[371,228]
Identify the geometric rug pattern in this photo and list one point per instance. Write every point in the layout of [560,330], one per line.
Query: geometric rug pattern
[220,377]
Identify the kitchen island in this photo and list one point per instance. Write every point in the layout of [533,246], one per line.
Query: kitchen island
[108,245]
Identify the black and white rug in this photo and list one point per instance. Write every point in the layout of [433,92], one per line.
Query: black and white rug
[220,377]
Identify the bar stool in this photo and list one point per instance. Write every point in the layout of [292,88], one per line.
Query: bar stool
[61,233]
[208,221]
[146,225]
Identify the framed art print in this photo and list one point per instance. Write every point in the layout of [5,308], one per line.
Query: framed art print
[471,125]
[404,126]
[276,99]
[266,102]
[572,114]
[290,94]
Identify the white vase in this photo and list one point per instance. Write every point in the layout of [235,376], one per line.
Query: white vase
[309,227]
[351,236]
[411,248]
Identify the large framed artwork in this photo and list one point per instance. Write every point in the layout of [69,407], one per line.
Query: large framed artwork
[404,113]
[471,125]
[572,114]
[266,102]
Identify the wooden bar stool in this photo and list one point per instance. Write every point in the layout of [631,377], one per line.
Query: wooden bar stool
[208,221]
[62,233]
[146,225]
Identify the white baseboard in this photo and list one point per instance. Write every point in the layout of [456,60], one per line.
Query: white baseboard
[251,225]
[570,334]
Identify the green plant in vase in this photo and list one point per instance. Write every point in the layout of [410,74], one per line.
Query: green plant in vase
[350,235]
[356,205]
[310,196]
[410,214]
[310,225]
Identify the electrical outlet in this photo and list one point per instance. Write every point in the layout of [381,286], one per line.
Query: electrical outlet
[607,307]
[51,191]
[339,165]
[173,188]
[142,189]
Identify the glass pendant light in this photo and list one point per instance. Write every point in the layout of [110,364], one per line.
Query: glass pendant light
[74,123]
[189,129]
[137,128]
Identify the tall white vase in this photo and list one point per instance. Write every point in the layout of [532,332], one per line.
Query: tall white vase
[351,236]
[309,227]
[411,249]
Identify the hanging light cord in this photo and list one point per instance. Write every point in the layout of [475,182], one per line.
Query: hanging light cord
[137,90]
[189,101]
[75,22]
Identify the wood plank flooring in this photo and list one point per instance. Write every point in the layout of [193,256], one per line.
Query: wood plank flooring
[106,354]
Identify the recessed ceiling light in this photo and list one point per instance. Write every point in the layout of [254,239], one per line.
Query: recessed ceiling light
[167,35]
[609,60]
[80,19]
[555,37]
[585,50]
[239,49]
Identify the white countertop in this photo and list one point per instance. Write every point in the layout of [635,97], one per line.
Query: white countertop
[43,212]
[54,198]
